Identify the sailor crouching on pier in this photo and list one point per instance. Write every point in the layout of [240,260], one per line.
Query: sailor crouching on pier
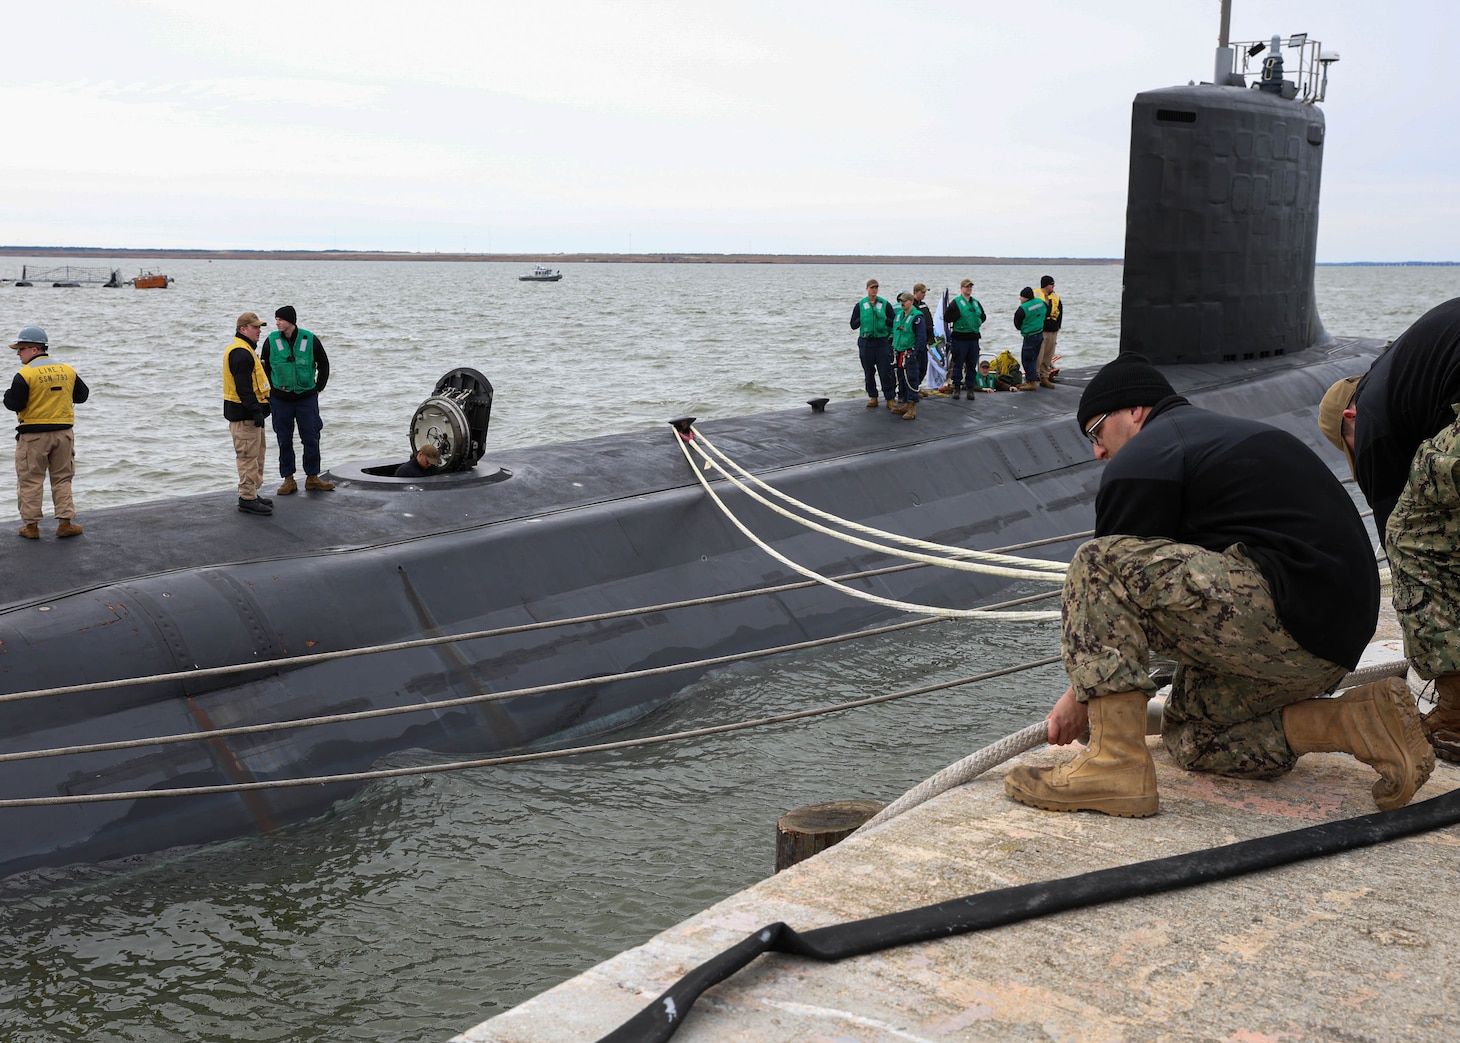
[1398,427]
[1227,545]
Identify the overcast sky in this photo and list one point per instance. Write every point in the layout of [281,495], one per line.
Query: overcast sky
[943,128]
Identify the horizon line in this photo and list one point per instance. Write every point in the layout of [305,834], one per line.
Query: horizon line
[590,257]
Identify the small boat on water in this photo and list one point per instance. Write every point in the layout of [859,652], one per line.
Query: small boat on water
[541,273]
[151,279]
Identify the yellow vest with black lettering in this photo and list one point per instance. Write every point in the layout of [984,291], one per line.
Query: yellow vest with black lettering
[260,381]
[51,386]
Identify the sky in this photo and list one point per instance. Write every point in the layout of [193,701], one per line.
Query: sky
[636,126]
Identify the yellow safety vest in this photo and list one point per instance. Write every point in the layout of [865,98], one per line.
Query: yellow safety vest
[260,381]
[51,387]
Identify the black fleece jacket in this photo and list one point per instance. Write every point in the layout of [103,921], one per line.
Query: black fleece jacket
[1213,480]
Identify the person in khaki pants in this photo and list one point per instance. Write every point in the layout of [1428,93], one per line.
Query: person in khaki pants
[43,395]
[1053,320]
[245,404]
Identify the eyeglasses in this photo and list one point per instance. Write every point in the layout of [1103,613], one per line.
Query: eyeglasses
[1090,431]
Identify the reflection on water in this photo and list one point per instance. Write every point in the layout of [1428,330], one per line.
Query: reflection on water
[427,904]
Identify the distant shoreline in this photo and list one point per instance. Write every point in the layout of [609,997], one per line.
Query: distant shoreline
[552,258]
[600,258]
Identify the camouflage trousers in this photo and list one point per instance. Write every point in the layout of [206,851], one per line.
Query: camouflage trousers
[1127,597]
[1422,539]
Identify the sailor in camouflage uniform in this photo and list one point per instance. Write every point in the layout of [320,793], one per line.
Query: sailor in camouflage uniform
[1226,545]
[1398,427]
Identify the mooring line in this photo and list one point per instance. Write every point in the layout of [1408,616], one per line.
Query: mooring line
[311,658]
[904,606]
[1020,567]
[519,758]
[443,704]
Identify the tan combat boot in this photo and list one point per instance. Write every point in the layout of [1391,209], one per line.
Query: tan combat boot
[317,484]
[29,531]
[1115,774]
[289,486]
[897,407]
[871,403]
[1377,723]
[911,412]
[1028,385]
[67,527]
[1442,724]
[1045,382]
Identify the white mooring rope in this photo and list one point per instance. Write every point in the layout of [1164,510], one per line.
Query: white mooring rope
[905,606]
[975,764]
[947,551]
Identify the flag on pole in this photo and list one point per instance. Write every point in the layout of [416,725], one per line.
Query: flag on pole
[938,349]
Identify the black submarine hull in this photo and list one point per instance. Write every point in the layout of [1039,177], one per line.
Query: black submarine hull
[550,533]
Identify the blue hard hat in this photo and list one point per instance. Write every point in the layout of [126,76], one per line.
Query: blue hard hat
[30,335]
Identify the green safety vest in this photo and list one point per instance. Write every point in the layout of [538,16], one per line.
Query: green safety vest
[905,334]
[874,319]
[291,369]
[970,315]
[1034,311]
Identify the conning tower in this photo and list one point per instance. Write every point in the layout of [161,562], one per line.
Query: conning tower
[1221,228]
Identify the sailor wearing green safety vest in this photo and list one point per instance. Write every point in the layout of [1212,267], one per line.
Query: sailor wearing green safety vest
[1029,320]
[965,318]
[909,334]
[298,370]
[872,318]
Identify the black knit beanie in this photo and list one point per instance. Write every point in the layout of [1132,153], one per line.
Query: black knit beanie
[1130,380]
[287,313]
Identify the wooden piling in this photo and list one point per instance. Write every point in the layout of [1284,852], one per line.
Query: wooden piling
[805,831]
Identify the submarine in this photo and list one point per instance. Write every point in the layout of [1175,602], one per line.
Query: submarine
[183,675]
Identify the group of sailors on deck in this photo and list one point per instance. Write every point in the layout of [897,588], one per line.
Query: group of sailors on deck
[893,344]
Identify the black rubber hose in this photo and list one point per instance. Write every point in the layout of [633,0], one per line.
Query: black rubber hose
[977,912]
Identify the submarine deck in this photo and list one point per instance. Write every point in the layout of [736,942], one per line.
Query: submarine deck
[202,530]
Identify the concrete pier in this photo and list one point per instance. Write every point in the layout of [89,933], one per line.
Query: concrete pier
[1357,946]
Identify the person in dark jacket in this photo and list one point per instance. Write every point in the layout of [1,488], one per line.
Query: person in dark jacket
[1054,318]
[919,291]
[1227,545]
[873,319]
[964,318]
[1398,427]
[909,333]
[43,396]
[426,461]
[245,404]
[298,369]
[1029,321]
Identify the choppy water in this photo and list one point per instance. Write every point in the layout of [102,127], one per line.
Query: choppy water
[427,904]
